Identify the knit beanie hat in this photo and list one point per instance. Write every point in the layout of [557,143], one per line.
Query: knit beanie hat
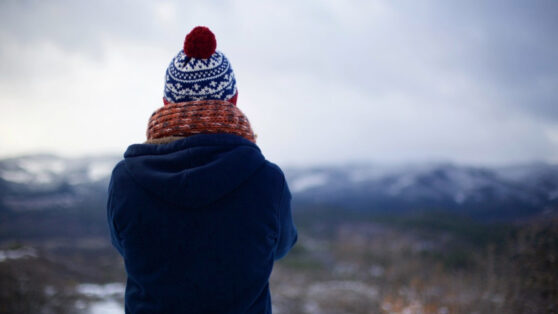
[200,94]
[199,72]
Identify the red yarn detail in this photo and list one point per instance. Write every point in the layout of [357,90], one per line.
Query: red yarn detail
[200,43]
[233,100]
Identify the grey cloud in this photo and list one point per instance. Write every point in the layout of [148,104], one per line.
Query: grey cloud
[475,57]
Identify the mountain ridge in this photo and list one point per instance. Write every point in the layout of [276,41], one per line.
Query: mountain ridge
[46,181]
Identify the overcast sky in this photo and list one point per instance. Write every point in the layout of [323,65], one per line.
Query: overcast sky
[321,81]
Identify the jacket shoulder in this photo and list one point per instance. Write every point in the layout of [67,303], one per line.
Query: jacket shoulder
[275,172]
[119,170]
[275,169]
[120,177]
[272,180]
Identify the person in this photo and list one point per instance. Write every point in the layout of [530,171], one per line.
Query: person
[197,212]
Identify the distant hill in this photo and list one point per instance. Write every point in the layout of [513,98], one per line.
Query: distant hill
[47,194]
[499,193]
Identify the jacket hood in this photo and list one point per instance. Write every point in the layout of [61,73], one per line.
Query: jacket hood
[194,171]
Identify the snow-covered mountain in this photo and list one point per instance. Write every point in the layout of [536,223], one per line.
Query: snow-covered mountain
[47,170]
[516,191]
[46,181]
[37,182]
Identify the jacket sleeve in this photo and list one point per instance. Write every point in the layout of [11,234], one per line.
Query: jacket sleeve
[110,218]
[287,231]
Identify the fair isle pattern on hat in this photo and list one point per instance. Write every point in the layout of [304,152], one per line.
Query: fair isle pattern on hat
[189,79]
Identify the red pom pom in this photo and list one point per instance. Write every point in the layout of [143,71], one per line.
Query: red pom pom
[200,43]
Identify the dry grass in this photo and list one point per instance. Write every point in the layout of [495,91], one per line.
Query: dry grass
[370,268]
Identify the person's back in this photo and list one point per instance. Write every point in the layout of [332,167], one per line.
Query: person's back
[197,213]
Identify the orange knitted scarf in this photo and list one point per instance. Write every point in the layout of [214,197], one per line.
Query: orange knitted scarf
[197,117]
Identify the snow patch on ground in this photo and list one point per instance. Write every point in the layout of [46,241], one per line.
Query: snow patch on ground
[106,307]
[101,291]
[105,298]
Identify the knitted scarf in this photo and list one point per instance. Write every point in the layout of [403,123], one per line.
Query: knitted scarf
[197,117]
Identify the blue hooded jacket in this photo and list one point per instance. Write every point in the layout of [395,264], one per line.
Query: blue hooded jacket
[199,222]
